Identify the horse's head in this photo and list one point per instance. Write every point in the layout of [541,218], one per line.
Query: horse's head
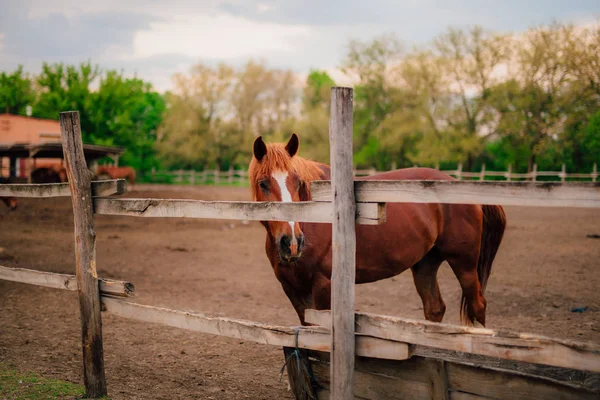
[276,174]
[11,202]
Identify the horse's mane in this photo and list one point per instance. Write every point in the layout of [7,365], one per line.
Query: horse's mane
[278,159]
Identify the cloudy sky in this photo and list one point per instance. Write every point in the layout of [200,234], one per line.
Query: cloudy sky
[155,38]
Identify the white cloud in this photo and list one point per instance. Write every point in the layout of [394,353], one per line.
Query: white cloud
[217,37]
[263,8]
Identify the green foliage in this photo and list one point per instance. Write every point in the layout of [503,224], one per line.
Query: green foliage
[119,112]
[65,88]
[475,97]
[469,96]
[16,92]
[373,96]
[317,92]
[126,113]
[214,114]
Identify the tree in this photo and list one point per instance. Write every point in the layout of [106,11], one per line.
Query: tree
[63,88]
[370,63]
[469,61]
[214,114]
[317,90]
[16,92]
[191,130]
[531,104]
[127,112]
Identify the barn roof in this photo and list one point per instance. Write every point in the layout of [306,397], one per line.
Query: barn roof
[54,150]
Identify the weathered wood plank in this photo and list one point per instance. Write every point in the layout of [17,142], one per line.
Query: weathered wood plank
[368,213]
[79,177]
[343,244]
[494,384]
[38,190]
[406,382]
[564,376]
[514,346]
[63,281]
[314,338]
[466,396]
[417,378]
[537,194]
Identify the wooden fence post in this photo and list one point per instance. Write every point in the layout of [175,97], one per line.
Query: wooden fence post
[563,173]
[343,244]
[85,255]
[482,173]
[230,176]
[459,171]
[193,177]
[594,173]
[534,173]
[509,173]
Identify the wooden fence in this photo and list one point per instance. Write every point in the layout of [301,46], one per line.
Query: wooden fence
[367,356]
[239,176]
[204,177]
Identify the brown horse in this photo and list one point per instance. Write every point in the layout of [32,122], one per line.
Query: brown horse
[415,236]
[45,175]
[116,173]
[11,202]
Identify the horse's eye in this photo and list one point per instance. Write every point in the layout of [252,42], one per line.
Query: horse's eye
[263,186]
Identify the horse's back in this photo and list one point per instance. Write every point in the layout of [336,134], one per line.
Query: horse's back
[412,229]
[415,173]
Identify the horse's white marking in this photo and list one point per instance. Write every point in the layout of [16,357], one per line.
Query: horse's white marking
[286,197]
[281,178]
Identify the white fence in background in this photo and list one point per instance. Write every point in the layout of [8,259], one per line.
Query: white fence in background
[240,176]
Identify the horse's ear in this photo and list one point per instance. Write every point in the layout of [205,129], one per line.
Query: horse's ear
[292,145]
[260,148]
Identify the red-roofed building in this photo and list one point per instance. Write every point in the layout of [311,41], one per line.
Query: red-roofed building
[28,143]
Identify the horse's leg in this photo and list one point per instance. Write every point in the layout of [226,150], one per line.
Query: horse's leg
[321,292]
[425,278]
[300,301]
[459,245]
[464,265]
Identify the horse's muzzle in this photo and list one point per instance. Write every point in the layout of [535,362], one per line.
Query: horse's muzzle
[290,249]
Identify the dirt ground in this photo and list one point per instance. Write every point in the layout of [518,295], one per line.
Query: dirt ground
[545,268]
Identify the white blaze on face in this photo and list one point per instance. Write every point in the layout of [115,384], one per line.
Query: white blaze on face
[286,197]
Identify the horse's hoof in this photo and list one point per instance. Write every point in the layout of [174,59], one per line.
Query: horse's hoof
[477,324]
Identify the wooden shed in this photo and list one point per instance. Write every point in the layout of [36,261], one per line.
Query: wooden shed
[28,143]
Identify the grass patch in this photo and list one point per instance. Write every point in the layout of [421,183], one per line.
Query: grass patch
[16,385]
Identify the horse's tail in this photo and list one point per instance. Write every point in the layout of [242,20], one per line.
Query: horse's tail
[494,224]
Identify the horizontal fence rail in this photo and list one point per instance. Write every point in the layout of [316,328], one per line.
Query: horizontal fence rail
[487,342]
[193,177]
[41,190]
[232,176]
[428,378]
[540,194]
[314,338]
[367,213]
[63,281]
